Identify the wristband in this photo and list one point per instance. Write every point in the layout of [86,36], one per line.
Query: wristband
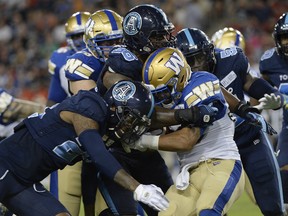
[149,141]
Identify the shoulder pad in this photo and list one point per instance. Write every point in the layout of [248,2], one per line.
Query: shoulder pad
[82,65]
[123,61]
[86,103]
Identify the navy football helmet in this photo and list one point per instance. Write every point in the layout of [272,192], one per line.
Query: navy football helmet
[147,28]
[131,105]
[197,48]
[280,32]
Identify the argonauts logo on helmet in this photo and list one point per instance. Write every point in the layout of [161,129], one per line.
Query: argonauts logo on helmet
[123,91]
[132,23]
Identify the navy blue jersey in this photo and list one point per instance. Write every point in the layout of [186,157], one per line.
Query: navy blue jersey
[276,68]
[122,61]
[83,65]
[51,143]
[231,69]
[58,89]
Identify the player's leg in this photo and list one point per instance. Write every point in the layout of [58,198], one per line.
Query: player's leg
[263,171]
[69,188]
[181,202]
[35,201]
[282,157]
[222,184]
[150,168]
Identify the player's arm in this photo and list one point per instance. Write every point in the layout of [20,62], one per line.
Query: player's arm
[75,86]
[87,131]
[111,78]
[181,140]
[12,109]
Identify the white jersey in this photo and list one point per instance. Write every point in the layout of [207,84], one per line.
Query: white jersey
[217,142]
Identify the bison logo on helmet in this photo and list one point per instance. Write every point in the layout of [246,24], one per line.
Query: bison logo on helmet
[132,23]
[123,91]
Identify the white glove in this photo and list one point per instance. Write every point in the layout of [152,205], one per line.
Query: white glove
[151,195]
[146,142]
[5,100]
[269,102]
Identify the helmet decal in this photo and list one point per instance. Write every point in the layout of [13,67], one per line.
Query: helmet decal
[189,37]
[132,23]
[175,63]
[123,91]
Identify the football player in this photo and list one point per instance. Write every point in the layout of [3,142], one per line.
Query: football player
[228,37]
[145,28]
[213,157]
[68,193]
[102,31]
[232,69]
[67,133]
[273,67]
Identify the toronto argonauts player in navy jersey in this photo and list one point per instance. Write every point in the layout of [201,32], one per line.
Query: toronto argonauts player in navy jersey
[67,133]
[274,68]
[232,69]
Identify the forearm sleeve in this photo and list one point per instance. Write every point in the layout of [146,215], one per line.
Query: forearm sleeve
[260,87]
[96,149]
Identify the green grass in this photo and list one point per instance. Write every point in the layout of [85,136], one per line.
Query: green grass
[244,207]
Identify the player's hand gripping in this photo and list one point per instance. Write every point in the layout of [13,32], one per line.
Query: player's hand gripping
[151,195]
[269,101]
[200,116]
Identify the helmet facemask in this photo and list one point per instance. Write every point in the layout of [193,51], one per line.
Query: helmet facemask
[202,60]
[130,125]
[103,30]
[74,28]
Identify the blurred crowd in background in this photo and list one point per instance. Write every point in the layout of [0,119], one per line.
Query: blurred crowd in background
[31,29]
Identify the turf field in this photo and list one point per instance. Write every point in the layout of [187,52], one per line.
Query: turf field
[244,207]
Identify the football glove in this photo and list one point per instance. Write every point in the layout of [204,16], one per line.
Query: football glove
[199,116]
[152,196]
[271,101]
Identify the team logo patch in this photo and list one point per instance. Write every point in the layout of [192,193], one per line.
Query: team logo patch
[132,23]
[123,91]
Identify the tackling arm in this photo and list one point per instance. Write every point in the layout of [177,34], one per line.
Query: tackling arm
[87,131]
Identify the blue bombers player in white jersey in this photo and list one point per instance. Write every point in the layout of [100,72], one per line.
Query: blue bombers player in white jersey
[274,68]
[232,69]
[211,177]
[67,133]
